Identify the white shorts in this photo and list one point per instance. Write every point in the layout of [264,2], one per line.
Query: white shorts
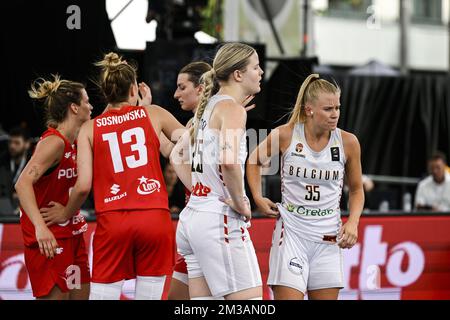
[219,248]
[303,264]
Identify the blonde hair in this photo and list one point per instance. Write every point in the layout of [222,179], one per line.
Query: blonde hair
[56,96]
[309,92]
[229,58]
[116,77]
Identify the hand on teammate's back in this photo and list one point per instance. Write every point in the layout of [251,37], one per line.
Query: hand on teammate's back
[54,213]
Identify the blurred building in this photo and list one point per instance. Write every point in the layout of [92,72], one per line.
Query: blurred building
[348,32]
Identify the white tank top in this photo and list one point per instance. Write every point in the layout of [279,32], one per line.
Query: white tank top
[311,186]
[207,181]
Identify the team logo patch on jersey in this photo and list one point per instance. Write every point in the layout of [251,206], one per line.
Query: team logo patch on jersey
[200,190]
[296,266]
[115,188]
[298,150]
[335,154]
[147,186]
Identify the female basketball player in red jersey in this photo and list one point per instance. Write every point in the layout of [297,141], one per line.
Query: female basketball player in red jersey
[212,236]
[306,255]
[119,156]
[55,256]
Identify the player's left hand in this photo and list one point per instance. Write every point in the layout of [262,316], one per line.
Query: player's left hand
[348,235]
[54,213]
[146,94]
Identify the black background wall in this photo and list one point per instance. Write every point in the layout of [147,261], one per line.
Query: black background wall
[35,41]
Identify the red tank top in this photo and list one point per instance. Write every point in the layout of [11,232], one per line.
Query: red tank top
[56,187]
[127,172]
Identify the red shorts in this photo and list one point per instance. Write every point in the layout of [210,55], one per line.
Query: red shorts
[81,258]
[46,273]
[133,243]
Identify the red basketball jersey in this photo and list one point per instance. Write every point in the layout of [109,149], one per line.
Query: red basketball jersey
[56,186]
[127,171]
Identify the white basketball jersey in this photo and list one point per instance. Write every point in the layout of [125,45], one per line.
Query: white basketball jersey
[311,186]
[207,181]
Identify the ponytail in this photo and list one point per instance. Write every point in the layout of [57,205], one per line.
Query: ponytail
[309,92]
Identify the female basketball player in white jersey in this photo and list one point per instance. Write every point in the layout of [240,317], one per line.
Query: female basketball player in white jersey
[306,248]
[211,235]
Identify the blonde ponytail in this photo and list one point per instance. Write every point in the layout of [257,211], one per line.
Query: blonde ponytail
[309,92]
[208,79]
[298,113]
[42,88]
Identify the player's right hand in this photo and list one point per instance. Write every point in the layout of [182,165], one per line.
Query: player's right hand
[47,242]
[267,207]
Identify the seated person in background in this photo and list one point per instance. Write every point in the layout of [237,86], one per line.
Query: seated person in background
[175,189]
[433,192]
[12,162]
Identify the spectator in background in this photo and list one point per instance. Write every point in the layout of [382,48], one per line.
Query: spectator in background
[175,189]
[12,162]
[433,192]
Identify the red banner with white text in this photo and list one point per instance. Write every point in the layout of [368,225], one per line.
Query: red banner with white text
[396,257]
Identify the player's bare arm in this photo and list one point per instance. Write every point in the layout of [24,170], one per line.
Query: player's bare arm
[48,153]
[349,231]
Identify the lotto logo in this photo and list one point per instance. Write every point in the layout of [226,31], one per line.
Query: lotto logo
[200,190]
[403,262]
[147,186]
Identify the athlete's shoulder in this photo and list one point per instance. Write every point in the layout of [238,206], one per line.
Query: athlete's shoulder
[285,131]
[229,112]
[230,106]
[50,148]
[52,141]
[154,108]
[352,148]
[349,138]
[87,126]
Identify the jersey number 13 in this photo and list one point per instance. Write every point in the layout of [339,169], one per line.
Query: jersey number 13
[126,138]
